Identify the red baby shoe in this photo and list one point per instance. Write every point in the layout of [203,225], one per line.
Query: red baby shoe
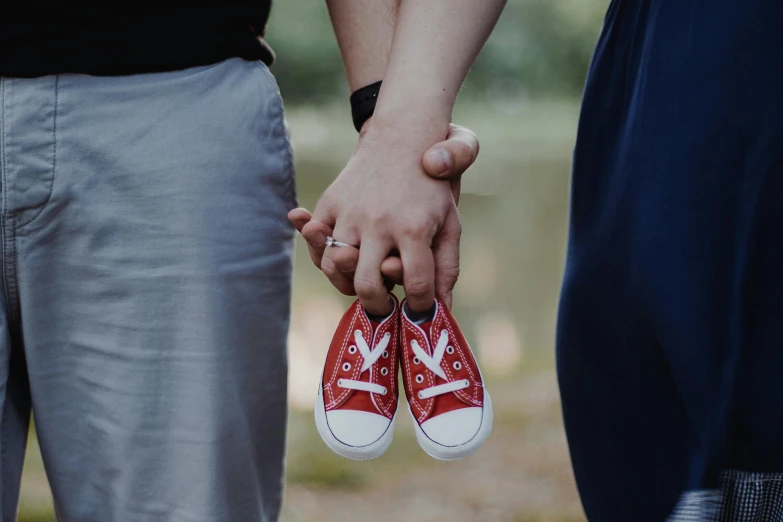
[451,409]
[357,397]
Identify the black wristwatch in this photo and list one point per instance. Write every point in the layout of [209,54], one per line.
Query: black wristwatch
[363,104]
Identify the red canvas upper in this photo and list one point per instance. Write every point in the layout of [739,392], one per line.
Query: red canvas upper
[457,365]
[344,361]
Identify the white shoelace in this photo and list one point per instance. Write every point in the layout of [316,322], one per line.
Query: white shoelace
[369,356]
[433,364]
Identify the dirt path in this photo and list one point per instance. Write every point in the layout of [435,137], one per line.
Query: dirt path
[521,475]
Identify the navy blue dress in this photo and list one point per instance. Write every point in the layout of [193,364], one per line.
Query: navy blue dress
[670,333]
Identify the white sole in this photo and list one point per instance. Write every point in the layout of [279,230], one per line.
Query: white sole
[441,452]
[371,451]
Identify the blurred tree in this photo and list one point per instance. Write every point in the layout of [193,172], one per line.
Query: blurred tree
[308,67]
[539,48]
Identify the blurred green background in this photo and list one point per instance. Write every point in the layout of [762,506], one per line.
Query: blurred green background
[521,98]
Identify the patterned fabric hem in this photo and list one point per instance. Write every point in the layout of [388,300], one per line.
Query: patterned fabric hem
[742,497]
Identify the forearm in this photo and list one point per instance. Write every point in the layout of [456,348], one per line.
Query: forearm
[435,43]
[364,31]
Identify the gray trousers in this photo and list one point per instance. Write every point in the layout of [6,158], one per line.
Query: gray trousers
[146,276]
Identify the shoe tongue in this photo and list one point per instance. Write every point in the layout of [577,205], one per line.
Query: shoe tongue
[375,320]
[421,318]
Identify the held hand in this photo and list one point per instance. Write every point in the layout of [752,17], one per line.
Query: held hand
[383,201]
[445,160]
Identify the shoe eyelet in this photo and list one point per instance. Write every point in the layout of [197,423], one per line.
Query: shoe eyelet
[466,382]
[384,371]
[340,383]
[419,378]
[357,332]
[384,392]
[420,396]
[385,354]
[457,365]
[416,360]
[449,350]
[352,349]
[346,366]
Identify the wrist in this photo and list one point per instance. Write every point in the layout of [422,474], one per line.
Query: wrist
[411,129]
[423,103]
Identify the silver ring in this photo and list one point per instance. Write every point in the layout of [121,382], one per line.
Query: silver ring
[330,241]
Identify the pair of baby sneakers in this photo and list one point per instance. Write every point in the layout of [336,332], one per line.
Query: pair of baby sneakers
[358,395]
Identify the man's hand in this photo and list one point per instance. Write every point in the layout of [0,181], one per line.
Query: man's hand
[446,160]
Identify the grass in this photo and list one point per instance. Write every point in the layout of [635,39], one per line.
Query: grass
[41,515]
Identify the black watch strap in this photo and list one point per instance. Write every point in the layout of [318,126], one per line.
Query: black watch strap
[363,104]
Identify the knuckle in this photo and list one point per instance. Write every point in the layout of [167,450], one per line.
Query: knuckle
[366,288]
[327,266]
[345,258]
[346,268]
[416,231]
[418,288]
[450,273]
[378,218]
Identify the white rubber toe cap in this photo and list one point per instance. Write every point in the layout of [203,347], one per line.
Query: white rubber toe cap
[453,428]
[357,428]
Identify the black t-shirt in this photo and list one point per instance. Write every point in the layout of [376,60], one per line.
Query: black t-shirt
[129,39]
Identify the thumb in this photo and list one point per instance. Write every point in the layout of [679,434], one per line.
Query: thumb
[445,250]
[453,156]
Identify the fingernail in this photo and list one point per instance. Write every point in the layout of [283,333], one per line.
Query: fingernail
[316,239]
[442,159]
